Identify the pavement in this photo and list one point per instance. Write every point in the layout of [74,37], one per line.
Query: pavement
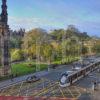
[52,75]
[85,97]
[17,80]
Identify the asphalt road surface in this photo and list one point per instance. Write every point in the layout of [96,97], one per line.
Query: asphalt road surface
[49,86]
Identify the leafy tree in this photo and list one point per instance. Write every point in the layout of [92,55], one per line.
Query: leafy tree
[34,40]
[16,38]
[84,50]
[96,48]
[47,52]
[57,34]
[16,55]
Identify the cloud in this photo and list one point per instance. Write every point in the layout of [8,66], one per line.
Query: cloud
[29,23]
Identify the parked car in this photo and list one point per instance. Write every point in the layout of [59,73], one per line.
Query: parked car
[31,79]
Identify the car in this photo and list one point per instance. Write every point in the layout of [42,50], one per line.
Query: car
[92,60]
[32,79]
[76,66]
[86,62]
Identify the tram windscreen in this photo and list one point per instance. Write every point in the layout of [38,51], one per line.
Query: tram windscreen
[63,79]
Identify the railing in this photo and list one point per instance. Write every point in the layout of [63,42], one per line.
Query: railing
[33,98]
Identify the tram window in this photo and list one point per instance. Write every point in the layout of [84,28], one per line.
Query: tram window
[92,66]
[88,69]
[69,78]
[83,72]
[74,76]
[96,64]
[80,73]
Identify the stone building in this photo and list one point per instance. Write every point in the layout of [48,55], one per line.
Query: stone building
[4,41]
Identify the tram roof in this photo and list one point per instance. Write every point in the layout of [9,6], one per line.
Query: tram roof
[75,72]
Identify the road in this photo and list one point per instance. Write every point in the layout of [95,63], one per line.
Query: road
[47,74]
[49,86]
[20,79]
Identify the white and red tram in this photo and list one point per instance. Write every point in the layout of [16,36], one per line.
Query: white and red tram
[69,78]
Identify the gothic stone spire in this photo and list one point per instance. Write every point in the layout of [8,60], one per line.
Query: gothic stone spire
[4,14]
[5,36]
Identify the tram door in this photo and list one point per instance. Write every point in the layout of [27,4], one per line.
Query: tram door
[70,80]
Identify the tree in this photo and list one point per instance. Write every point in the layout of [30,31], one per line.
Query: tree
[47,52]
[84,50]
[16,55]
[16,38]
[96,49]
[72,31]
[34,41]
[57,34]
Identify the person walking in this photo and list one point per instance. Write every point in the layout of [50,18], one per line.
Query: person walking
[12,76]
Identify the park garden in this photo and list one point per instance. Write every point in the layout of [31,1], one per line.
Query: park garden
[37,49]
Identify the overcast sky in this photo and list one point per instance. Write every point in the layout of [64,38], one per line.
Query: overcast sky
[50,14]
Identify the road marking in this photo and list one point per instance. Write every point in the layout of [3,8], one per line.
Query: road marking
[20,88]
[14,90]
[2,91]
[77,91]
[52,88]
[45,90]
[27,90]
[70,92]
[61,92]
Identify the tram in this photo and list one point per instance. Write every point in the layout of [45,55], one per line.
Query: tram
[69,78]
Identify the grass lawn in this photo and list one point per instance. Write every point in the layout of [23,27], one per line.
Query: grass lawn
[26,68]
[66,60]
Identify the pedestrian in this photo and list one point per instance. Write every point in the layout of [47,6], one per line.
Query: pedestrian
[16,75]
[12,76]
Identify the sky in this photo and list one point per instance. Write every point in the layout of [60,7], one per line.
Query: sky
[51,14]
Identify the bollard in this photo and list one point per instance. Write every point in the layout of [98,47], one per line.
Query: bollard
[93,87]
[99,86]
